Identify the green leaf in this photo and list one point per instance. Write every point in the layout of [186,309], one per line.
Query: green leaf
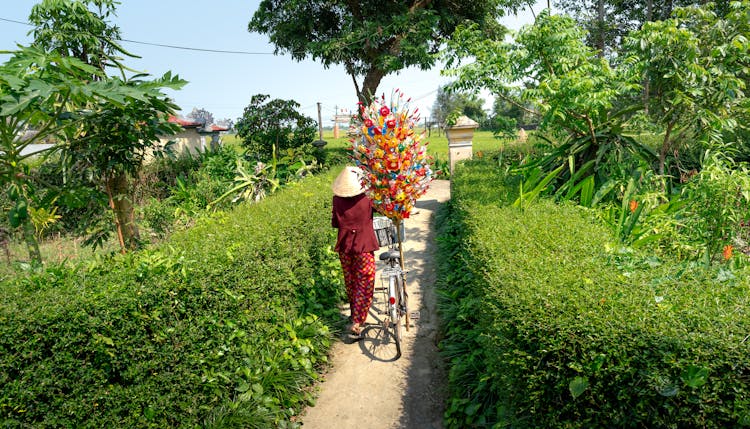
[598,362]
[472,408]
[578,385]
[694,376]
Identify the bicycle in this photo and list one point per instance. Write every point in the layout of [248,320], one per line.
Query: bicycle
[393,280]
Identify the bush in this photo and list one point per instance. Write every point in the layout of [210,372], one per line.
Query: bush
[220,326]
[269,126]
[547,323]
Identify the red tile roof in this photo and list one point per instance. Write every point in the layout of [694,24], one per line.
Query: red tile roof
[186,123]
[214,127]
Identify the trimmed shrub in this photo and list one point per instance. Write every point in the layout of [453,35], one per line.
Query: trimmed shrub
[548,324]
[219,327]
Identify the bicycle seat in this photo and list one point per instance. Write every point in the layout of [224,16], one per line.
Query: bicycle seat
[390,254]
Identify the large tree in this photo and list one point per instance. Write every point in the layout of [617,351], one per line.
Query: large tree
[371,39]
[609,21]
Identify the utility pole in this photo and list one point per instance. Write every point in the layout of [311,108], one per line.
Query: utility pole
[320,142]
[320,123]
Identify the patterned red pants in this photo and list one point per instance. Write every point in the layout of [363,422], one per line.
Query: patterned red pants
[359,278]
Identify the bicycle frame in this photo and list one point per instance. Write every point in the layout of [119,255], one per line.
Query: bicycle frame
[393,281]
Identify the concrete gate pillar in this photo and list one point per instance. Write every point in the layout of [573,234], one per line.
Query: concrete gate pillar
[460,137]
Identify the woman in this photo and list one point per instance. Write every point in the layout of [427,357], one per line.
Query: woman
[356,243]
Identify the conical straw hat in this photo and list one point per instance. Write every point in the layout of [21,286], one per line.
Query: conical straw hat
[348,183]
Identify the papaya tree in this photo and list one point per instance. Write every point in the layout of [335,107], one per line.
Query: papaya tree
[43,94]
[113,142]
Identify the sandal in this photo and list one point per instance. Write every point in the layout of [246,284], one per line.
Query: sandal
[355,329]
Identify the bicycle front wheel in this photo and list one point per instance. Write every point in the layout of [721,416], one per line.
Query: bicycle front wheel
[395,296]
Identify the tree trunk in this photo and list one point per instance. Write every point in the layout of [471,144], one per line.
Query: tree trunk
[601,27]
[370,85]
[121,204]
[646,83]
[35,255]
[666,143]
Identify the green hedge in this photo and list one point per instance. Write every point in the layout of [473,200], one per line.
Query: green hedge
[216,328]
[547,323]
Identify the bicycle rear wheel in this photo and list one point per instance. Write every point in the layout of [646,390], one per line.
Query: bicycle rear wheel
[403,299]
[395,295]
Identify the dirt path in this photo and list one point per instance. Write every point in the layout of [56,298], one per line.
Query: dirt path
[366,387]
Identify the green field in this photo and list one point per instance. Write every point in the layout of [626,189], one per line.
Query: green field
[437,143]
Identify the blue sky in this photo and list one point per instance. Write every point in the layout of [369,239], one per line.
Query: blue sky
[223,83]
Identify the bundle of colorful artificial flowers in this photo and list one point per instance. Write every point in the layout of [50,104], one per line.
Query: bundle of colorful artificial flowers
[394,162]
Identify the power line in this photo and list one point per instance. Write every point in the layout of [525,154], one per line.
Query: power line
[164,45]
[14,21]
[187,48]
[220,51]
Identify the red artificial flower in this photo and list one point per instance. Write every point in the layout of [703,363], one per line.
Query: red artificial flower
[368,122]
[391,123]
[384,111]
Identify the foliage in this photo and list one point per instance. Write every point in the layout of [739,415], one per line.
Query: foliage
[717,205]
[506,118]
[201,115]
[222,325]
[696,65]
[114,143]
[71,29]
[608,22]
[447,102]
[370,40]
[548,322]
[251,186]
[272,126]
[54,91]
[574,93]
[43,94]
[42,219]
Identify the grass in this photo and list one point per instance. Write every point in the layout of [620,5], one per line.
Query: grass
[55,250]
[437,143]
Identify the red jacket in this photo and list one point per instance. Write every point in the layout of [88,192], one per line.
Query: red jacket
[353,217]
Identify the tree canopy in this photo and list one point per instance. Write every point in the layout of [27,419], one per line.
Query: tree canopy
[609,21]
[57,91]
[371,39]
[447,102]
[268,126]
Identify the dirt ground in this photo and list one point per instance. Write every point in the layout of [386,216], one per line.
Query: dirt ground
[366,385]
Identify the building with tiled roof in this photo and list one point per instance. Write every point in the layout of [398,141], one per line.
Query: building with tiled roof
[195,136]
